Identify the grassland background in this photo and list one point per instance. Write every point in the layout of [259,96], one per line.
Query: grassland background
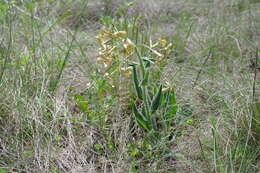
[48,56]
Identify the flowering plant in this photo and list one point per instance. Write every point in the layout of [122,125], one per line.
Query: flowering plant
[116,49]
[121,58]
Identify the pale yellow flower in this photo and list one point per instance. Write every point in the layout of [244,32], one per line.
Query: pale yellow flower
[157,53]
[168,46]
[105,32]
[154,51]
[126,71]
[158,62]
[120,34]
[106,61]
[99,59]
[102,44]
[99,36]
[109,79]
[152,45]
[106,75]
[110,49]
[129,47]
[162,42]
[106,54]
[164,90]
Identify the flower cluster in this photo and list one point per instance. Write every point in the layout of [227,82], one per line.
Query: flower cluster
[111,44]
[116,49]
[161,49]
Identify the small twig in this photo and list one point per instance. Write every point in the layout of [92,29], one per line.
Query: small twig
[22,10]
[205,61]
[202,153]
[7,54]
[34,16]
[255,71]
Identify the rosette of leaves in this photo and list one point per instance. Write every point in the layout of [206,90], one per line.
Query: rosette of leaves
[161,104]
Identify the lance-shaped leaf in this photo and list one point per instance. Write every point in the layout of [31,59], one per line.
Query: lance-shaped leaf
[172,105]
[144,112]
[165,102]
[148,98]
[148,61]
[172,97]
[136,82]
[156,100]
[146,78]
[167,97]
[140,118]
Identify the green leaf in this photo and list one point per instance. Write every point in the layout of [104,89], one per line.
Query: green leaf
[146,78]
[136,83]
[185,110]
[166,98]
[141,120]
[148,98]
[98,146]
[144,111]
[81,102]
[156,100]
[148,61]
[172,97]
[2,170]
[128,4]
[28,153]
[172,105]
[256,118]
[106,20]
[165,102]
[30,5]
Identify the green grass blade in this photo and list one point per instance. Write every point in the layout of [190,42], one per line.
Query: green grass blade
[256,120]
[146,78]
[53,86]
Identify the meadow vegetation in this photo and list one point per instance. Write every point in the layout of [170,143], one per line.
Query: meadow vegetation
[89,86]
